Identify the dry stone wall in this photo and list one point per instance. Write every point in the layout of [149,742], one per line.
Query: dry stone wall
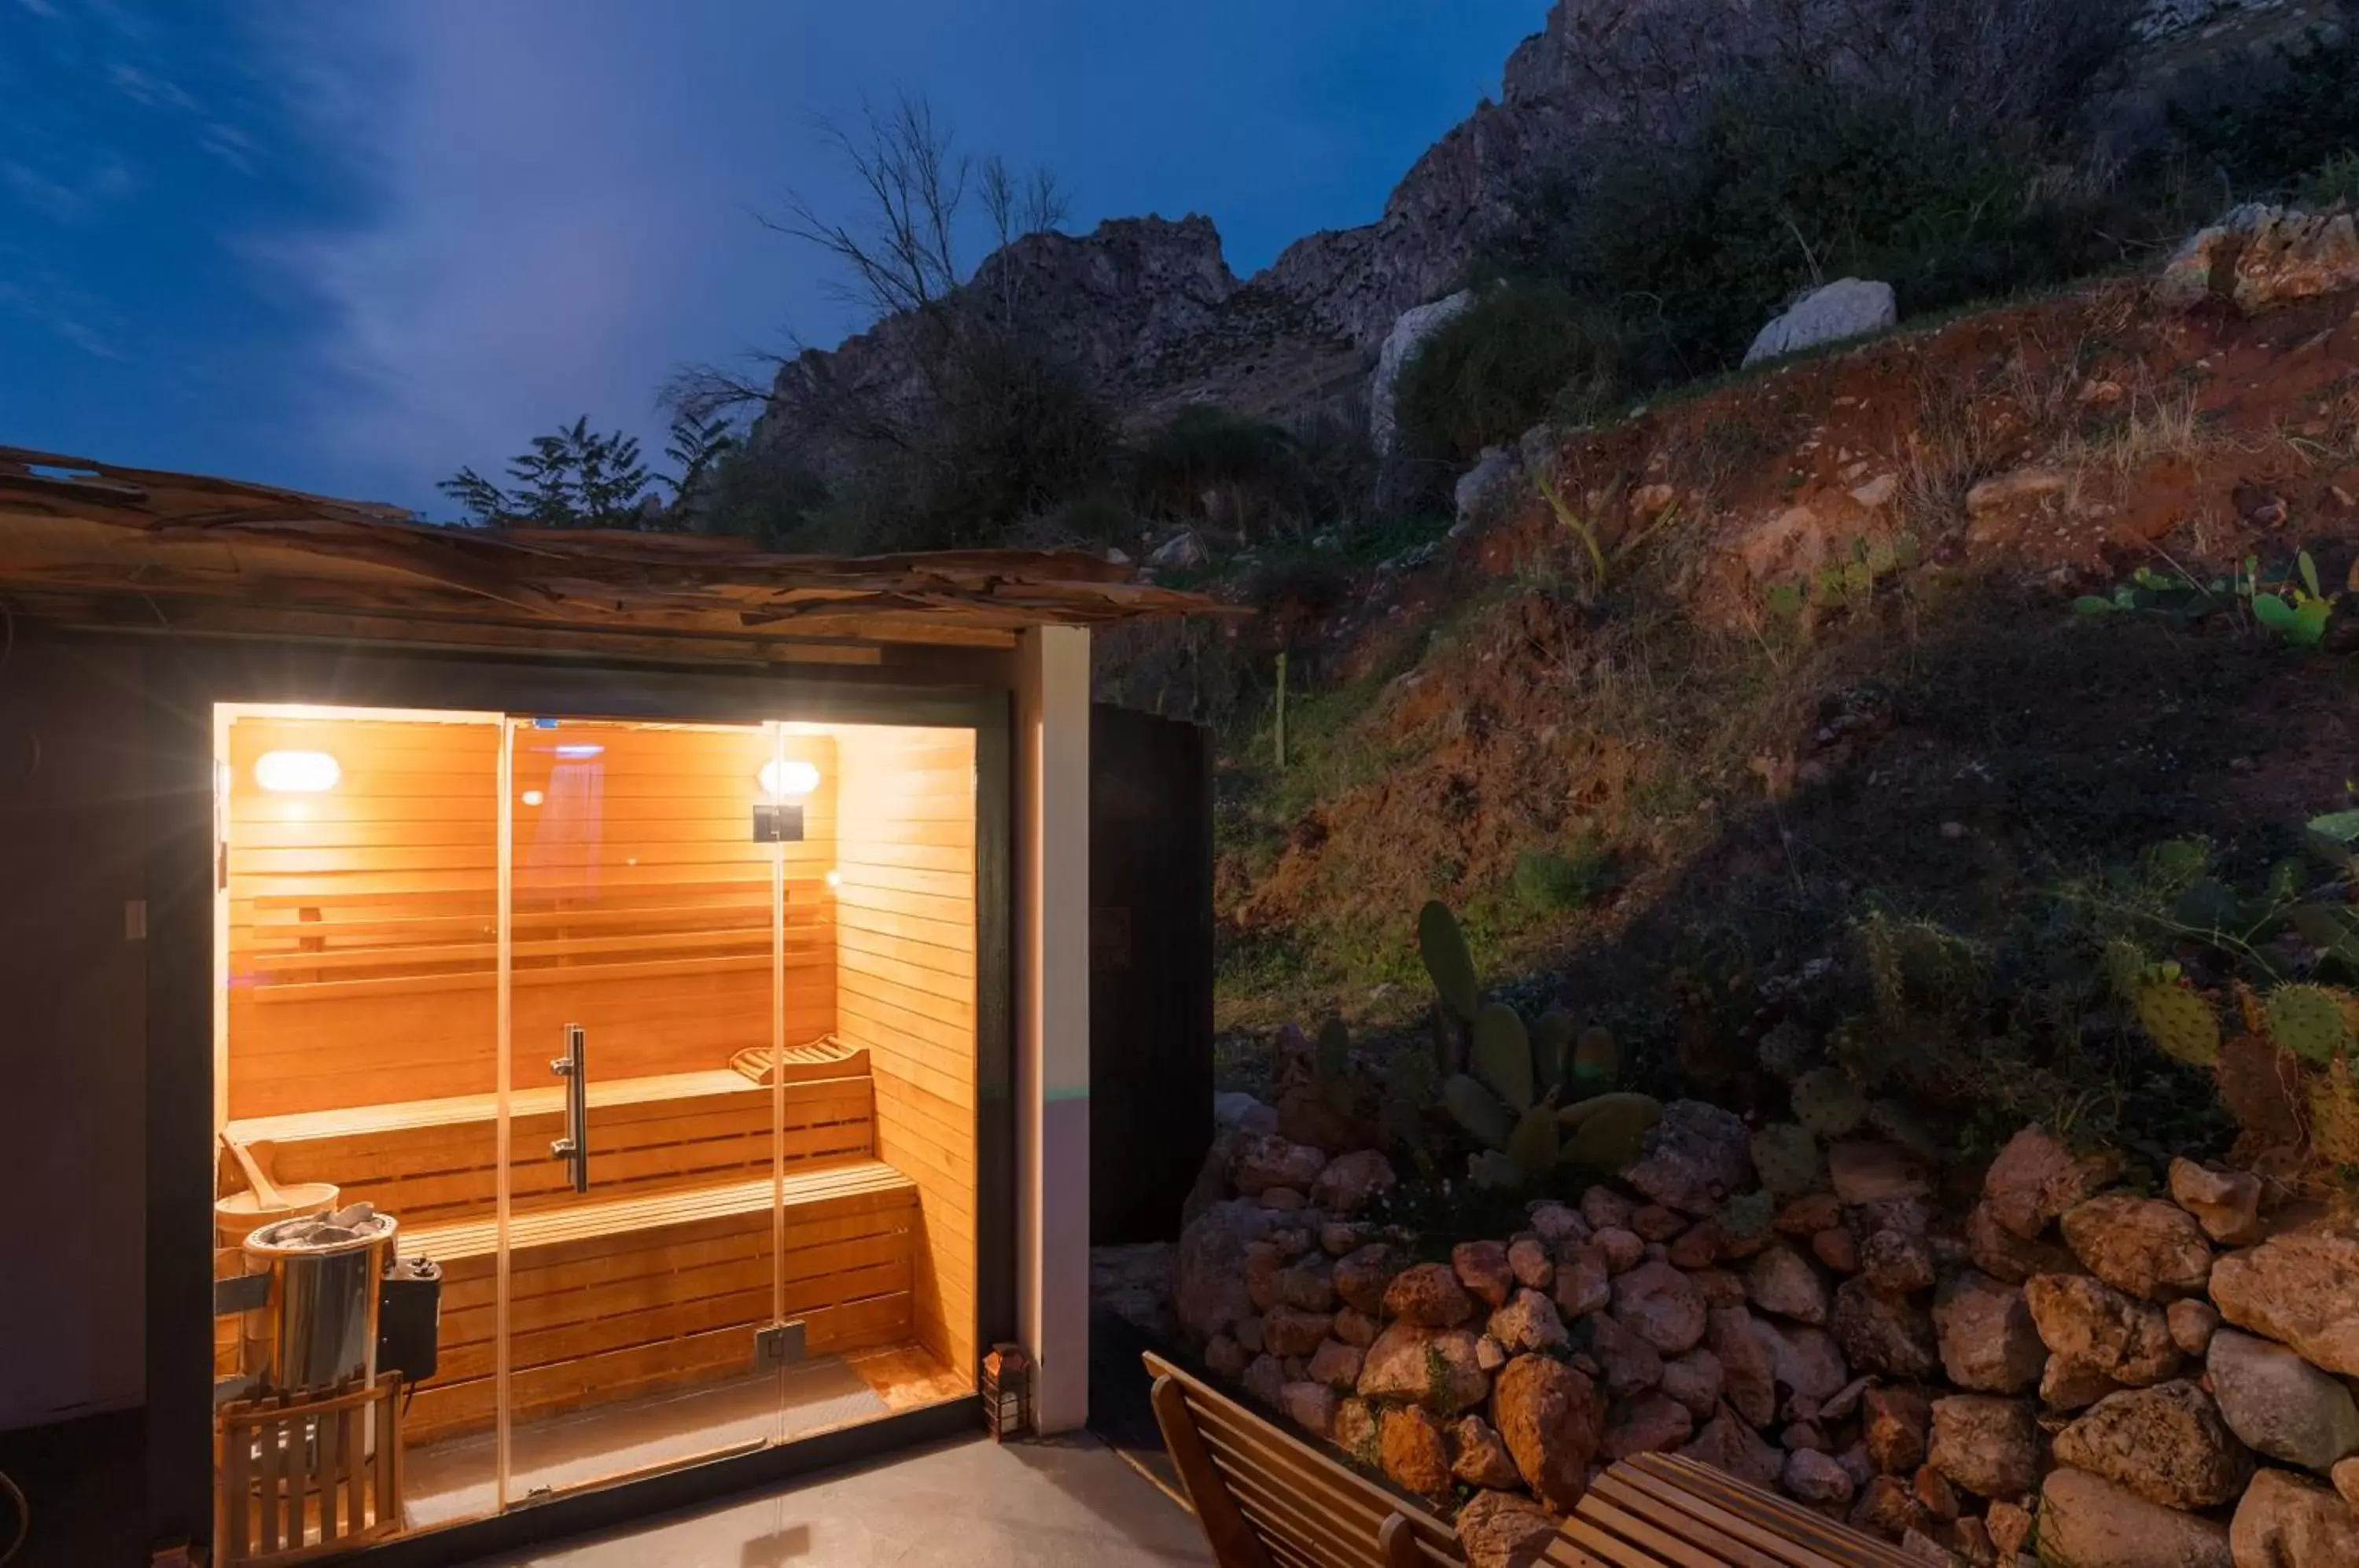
[2063,1371]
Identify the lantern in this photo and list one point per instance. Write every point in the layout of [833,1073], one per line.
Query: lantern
[1008,1391]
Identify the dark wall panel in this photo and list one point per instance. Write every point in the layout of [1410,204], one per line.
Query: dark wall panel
[1150,971]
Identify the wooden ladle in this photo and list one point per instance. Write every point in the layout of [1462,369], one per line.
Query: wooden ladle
[265,1195]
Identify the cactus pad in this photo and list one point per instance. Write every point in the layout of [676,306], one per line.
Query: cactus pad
[1552,1054]
[1607,1136]
[2334,1115]
[1443,947]
[1787,1158]
[1501,1055]
[2179,1021]
[1478,1110]
[1828,1103]
[1333,1052]
[2308,1022]
[1533,1144]
[1489,1168]
[1596,1061]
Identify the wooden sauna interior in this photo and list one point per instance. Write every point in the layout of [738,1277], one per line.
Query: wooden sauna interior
[359,1033]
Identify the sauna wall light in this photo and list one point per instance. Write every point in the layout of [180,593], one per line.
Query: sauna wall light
[532,797]
[579,753]
[297,772]
[786,779]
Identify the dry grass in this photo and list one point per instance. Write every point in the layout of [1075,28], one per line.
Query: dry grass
[2153,425]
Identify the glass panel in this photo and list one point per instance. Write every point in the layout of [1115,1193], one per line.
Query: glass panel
[898,906]
[642,1171]
[356,1031]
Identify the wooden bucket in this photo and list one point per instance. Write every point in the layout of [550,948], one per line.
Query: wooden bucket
[233,1217]
[240,1213]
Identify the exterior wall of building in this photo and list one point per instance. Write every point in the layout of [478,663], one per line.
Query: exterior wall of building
[73,1040]
[1053,1018]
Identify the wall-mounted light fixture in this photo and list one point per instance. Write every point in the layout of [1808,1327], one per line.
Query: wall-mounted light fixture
[532,797]
[297,772]
[787,778]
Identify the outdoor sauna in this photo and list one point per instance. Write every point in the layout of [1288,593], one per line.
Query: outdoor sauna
[671,1024]
[607,1009]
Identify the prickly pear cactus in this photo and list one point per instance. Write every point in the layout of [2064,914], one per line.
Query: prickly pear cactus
[1443,947]
[2179,1021]
[2308,1021]
[1485,1119]
[1501,1055]
[1747,1218]
[2334,1115]
[1489,1168]
[1333,1050]
[1606,1131]
[1553,1050]
[1596,1061]
[1828,1103]
[1787,1158]
[1533,1145]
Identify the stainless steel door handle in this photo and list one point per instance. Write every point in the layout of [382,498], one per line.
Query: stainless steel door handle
[574,1068]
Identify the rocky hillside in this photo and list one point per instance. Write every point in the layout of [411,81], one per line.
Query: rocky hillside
[1150,311]
[1810,636]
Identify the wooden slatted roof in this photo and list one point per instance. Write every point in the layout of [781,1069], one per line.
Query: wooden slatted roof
[94,543]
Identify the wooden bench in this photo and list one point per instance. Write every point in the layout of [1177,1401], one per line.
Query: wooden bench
[1267,1499]
[660,1275]
[426,1161]
[628,1295]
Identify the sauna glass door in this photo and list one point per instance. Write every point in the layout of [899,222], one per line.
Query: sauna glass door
[358,1030]
[649,988]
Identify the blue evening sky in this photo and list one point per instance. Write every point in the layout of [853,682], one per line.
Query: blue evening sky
[351,245]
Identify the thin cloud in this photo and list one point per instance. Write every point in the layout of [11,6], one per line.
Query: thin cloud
[147,89]
[64,311]
[77,199]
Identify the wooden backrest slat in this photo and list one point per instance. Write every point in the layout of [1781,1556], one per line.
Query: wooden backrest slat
[1688,1495]
[1800,1531]
[1295,1516]
[1325,1541]
[1705,1520]
[1268,1500]
[1657,1534]
[1563,1552]
[1313,1472]
[1233,1541]
[1269,1450]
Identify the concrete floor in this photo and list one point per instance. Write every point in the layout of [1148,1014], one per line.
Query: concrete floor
[1063,1503]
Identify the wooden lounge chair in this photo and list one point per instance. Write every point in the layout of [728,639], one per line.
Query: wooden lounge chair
[1267,1499]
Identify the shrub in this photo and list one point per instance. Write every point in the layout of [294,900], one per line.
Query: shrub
[1015,431]
[1524,352]
[760,495]
[1785,182]
[2332,183]
[2264,127]
[1249,473]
